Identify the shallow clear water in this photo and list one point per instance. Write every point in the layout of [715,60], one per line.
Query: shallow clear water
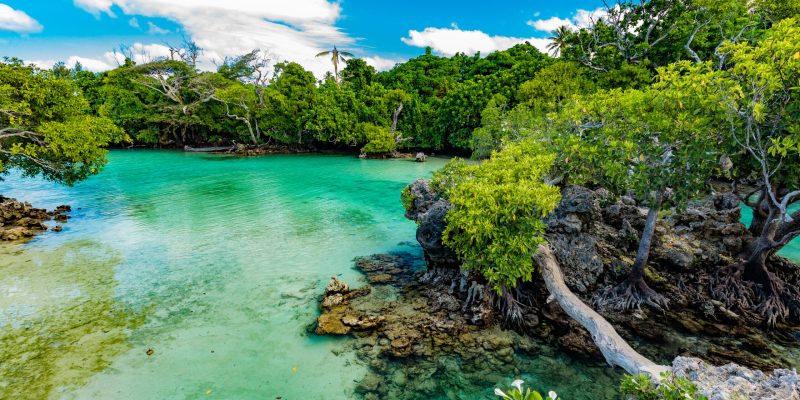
[214,263]
[186,276]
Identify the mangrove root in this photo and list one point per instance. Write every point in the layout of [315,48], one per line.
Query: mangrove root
[631,294]
[768,303]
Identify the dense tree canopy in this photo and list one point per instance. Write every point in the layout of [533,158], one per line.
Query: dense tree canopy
[46,126]
[652,99]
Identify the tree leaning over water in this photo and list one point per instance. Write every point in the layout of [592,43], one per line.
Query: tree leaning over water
[47,128]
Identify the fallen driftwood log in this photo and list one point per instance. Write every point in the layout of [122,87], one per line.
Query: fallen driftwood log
[208,149]
[615,349]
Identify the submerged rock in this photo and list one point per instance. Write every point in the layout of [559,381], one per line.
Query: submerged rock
[335,318]
[409,332]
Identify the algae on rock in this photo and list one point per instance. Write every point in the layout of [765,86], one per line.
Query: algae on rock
[69,325]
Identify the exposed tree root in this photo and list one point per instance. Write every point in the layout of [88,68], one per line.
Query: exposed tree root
[511,305]
[629,295]
[769,304]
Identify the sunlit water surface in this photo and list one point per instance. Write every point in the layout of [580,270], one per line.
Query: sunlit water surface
[187,276]
[214,263]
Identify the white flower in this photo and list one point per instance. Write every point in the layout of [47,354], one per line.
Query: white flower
[552,395]
[500,393]
[518,384]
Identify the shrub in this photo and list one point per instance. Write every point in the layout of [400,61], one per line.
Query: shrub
[496,224]
[641,387]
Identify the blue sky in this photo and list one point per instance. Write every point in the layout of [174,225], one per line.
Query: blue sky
[383,32]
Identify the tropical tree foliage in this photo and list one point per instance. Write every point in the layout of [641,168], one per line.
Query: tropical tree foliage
[760,92]
[495,224]
[47,127]
[647,142]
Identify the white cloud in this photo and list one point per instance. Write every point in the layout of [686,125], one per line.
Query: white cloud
[291,30]
[43,64]
[96,7]
[133,22]
[585,19]
[581,19]
[550,24]
[17,21]
[89,64]
[140,53]
[154,29]
[382,64]
[449,41]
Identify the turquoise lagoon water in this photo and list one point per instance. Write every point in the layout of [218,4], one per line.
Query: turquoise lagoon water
[223,258]
[192,276]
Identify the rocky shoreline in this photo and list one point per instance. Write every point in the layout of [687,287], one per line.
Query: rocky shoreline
[411,316]
[20,221]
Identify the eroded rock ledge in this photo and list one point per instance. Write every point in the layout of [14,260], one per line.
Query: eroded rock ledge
[21,221]
[594,236]
[416,318]
[410,332]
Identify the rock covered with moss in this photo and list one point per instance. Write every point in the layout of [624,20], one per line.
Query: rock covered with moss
[20,220]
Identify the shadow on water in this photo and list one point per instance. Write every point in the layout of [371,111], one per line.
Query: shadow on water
[60,322]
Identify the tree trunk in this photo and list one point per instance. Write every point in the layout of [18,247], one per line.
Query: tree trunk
[615,349]
[643,254]
[755,268]
[760,213]
[395,116]
[252,134]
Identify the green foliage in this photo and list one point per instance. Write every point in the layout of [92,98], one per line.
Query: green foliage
[47,128]
[496,224]
[379,139]
[407,198]
[290,98]
[642,140]
[641,387]
[554,85]
[463,102]
[332,117]
[358,74]
[760,92]
[493,129]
